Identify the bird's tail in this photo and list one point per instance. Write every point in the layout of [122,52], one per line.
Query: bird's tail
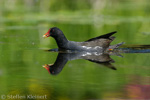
[112,47]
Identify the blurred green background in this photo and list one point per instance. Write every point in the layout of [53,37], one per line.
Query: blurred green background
[22,24]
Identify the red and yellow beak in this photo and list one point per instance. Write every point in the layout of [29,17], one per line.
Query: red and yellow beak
[46,34]
[46,66]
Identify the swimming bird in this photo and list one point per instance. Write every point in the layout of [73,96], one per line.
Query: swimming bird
[96,44]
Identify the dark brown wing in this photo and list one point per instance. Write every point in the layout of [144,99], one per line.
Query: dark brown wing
[102,41]
[105,36]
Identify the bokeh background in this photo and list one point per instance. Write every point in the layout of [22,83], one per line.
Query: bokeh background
[22,49]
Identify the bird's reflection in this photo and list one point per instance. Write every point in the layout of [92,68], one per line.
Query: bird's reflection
[95,57]
[63,58]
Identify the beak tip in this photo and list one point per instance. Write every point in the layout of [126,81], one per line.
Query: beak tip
[44,66]
[44,36]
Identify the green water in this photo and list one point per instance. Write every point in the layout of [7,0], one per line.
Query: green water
[22,49]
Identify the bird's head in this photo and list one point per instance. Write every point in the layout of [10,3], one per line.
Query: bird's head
[53,32]
[50,69]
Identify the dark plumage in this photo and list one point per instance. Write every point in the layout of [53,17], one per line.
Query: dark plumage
[97,44]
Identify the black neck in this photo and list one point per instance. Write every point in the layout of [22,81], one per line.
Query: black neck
[61,41]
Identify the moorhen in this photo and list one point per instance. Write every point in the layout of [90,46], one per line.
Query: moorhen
[97,44]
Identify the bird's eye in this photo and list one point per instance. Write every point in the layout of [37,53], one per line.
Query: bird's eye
[52,30]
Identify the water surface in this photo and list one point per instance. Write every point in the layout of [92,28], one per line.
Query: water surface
[23,54]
